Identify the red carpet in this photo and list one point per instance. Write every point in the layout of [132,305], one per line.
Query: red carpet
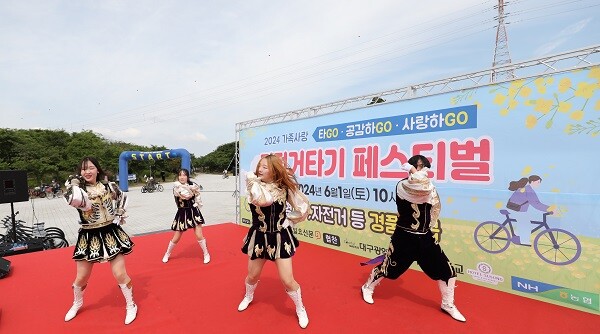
[186,296]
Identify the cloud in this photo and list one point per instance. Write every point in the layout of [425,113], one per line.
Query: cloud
[562,37]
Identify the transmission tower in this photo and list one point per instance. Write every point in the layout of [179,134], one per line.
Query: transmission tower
[501,53]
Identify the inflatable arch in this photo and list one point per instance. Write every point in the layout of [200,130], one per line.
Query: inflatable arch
[125,156]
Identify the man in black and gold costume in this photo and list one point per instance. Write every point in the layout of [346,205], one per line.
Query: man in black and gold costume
[418,207]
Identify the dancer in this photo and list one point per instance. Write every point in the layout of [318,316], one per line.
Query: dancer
[270,237]
[418,207]
[187,199]
[101,206]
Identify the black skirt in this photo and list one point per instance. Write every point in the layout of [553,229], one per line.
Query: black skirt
[102,244]
[270,245]
[187,217]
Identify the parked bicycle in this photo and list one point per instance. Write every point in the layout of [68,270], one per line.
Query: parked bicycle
[553,245]
[51,237]
[37,192]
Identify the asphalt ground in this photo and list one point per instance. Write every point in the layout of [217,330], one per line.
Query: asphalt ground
[148,212]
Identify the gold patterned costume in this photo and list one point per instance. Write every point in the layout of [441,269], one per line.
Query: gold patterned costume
[101,237]
[270,236]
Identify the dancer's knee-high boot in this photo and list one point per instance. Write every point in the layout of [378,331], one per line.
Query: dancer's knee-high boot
[131,307]
[448,306]
[300,310]
[77,302]
[168,252]
[248,296]
[369,287]
[204,250]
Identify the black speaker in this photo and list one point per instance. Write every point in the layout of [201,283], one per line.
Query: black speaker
[4,267]
[13,186]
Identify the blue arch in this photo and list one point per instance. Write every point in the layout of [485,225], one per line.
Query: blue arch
[186,161]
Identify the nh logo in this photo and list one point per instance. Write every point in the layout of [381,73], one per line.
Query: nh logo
[524,286]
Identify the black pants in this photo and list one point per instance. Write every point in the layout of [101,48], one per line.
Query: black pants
[405,248]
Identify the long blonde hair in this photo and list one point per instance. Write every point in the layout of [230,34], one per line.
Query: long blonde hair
[282,176]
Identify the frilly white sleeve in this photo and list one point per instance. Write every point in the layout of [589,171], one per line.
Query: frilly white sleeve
[257,192]
[300,207]
[78,198]
[406,167]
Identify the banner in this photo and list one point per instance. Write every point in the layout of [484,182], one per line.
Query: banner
[515,165]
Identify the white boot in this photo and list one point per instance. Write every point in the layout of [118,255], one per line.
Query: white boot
[169,250]
[300,310]
[204,250]
[448,299]
[247,297]
[369,287]
[131,307]
[77,302]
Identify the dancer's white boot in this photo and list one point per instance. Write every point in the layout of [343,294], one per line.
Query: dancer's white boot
[300,309]
[77,302]
[448,306]
[247,297]
[131,307]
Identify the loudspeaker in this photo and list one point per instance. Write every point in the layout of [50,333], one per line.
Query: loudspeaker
[4,267]
[13,186]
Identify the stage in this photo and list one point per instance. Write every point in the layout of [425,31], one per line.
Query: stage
[187,296]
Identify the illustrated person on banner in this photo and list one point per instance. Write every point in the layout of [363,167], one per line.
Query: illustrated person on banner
[270,238]
[101,206]
[523,197]
[188,216]
[419,207]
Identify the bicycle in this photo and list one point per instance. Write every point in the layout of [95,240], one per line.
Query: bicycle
[553,245]
[50,237]
[52,192]
[37,192]
[149,188]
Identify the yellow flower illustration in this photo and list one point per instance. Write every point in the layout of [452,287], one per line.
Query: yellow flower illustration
[577,115]
[564,85]
[525,92]
[499,99]
[564,106]
[597,105]
[543,105]
[595,73]
[540,84]
[585,90]
[517,83]
[530,122]
[504,112]
[512,104]
[568,129]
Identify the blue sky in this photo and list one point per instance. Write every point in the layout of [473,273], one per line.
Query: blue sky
[181,74]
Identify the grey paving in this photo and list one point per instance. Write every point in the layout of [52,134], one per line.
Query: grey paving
[148,213]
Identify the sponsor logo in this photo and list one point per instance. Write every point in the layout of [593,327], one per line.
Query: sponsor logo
[483,273]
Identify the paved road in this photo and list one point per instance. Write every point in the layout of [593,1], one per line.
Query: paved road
[148,213]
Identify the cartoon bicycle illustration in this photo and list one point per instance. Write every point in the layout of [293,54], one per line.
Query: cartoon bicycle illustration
[553,245]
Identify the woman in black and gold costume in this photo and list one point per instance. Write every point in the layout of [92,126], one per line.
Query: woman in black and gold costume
[101,207]
[270,237]
[418,207]
[188,216]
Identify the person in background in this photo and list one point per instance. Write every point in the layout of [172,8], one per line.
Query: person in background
[101,206]
[419,207]
[270,238]
[187,199]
